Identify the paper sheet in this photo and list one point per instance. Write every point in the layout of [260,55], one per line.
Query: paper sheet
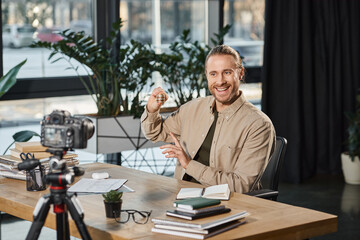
[89,185]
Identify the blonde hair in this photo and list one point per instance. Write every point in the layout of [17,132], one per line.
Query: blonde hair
[225,50]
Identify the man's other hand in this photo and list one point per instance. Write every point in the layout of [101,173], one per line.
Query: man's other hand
[176,151]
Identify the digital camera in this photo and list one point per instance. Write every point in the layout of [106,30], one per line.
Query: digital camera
[60,130]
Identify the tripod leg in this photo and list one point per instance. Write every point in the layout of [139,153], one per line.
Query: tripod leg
[77,214]
[62,226]
[40,213]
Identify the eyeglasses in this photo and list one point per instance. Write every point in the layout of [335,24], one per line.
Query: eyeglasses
[139,217]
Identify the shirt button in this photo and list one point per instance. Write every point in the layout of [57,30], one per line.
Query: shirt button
[193,152]
[202,135]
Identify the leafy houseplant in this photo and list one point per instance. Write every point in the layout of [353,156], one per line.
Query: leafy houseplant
[112,201]
[116,75]
[183,69]
[350,160]
[353,130]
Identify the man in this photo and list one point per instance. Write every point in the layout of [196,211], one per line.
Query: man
[220,138]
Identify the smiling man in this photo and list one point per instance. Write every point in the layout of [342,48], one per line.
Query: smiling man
[218,139]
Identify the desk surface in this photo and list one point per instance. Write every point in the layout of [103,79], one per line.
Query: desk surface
[268,219]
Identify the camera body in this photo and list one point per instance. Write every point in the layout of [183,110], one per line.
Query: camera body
[60,130]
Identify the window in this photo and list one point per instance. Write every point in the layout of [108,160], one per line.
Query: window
[247,18]
[25,21]
[145,19]
[154,21]
[247,32]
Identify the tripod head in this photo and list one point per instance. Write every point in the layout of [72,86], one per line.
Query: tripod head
[59,174]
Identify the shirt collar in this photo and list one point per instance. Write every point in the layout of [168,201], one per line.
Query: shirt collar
[230,110]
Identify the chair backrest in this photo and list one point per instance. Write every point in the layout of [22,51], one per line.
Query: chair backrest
[270,178]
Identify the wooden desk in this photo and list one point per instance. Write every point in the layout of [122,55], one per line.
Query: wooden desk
[268,219]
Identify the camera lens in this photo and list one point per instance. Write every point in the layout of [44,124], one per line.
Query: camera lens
[89,127]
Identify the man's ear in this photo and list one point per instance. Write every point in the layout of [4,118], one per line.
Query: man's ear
[242,73]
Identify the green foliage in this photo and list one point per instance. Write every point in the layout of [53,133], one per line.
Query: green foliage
[354,131]
[9,79]
[22,136]
[183,69]
[116,76]
[112,196]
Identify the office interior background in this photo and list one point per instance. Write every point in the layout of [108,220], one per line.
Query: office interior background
[301,60]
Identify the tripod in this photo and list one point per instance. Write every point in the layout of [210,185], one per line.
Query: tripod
[58,178]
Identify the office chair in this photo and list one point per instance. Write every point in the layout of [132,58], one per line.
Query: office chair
[270,178]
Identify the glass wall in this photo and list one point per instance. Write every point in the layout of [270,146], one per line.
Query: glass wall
[26,21]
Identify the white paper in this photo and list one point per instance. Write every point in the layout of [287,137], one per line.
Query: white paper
[217,191]
[189,193]
[89,185]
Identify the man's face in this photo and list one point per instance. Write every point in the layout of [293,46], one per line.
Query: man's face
[223,79]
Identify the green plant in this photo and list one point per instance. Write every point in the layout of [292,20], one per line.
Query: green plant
[115,75]
[183,69]
[9,79]
[353,141]
[112,196]
[22,136]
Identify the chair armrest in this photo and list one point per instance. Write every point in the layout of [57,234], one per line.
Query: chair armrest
[264,193]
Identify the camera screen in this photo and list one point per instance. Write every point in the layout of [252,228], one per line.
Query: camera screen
[55,136]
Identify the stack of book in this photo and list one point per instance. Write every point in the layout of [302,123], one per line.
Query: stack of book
[194,208]
[8,167]
[36,149]
[203,206]
[9,163]
[198,229]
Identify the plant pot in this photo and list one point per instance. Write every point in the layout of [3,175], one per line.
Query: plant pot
[351,169]
[112,209]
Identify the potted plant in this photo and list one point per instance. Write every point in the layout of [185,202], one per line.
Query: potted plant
[350,160]
[112,201]
[116,76]
[183,69]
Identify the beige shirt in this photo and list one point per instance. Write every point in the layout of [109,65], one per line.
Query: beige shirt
[243,141]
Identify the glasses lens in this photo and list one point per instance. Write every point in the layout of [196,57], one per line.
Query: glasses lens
[141,217]
[123,218]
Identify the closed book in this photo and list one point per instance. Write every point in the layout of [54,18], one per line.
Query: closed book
[181,229]
[10,160]
[39,155]
[30,147]
[192,216]
[203,223]
[178,231]
[201,210]
[195,203]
